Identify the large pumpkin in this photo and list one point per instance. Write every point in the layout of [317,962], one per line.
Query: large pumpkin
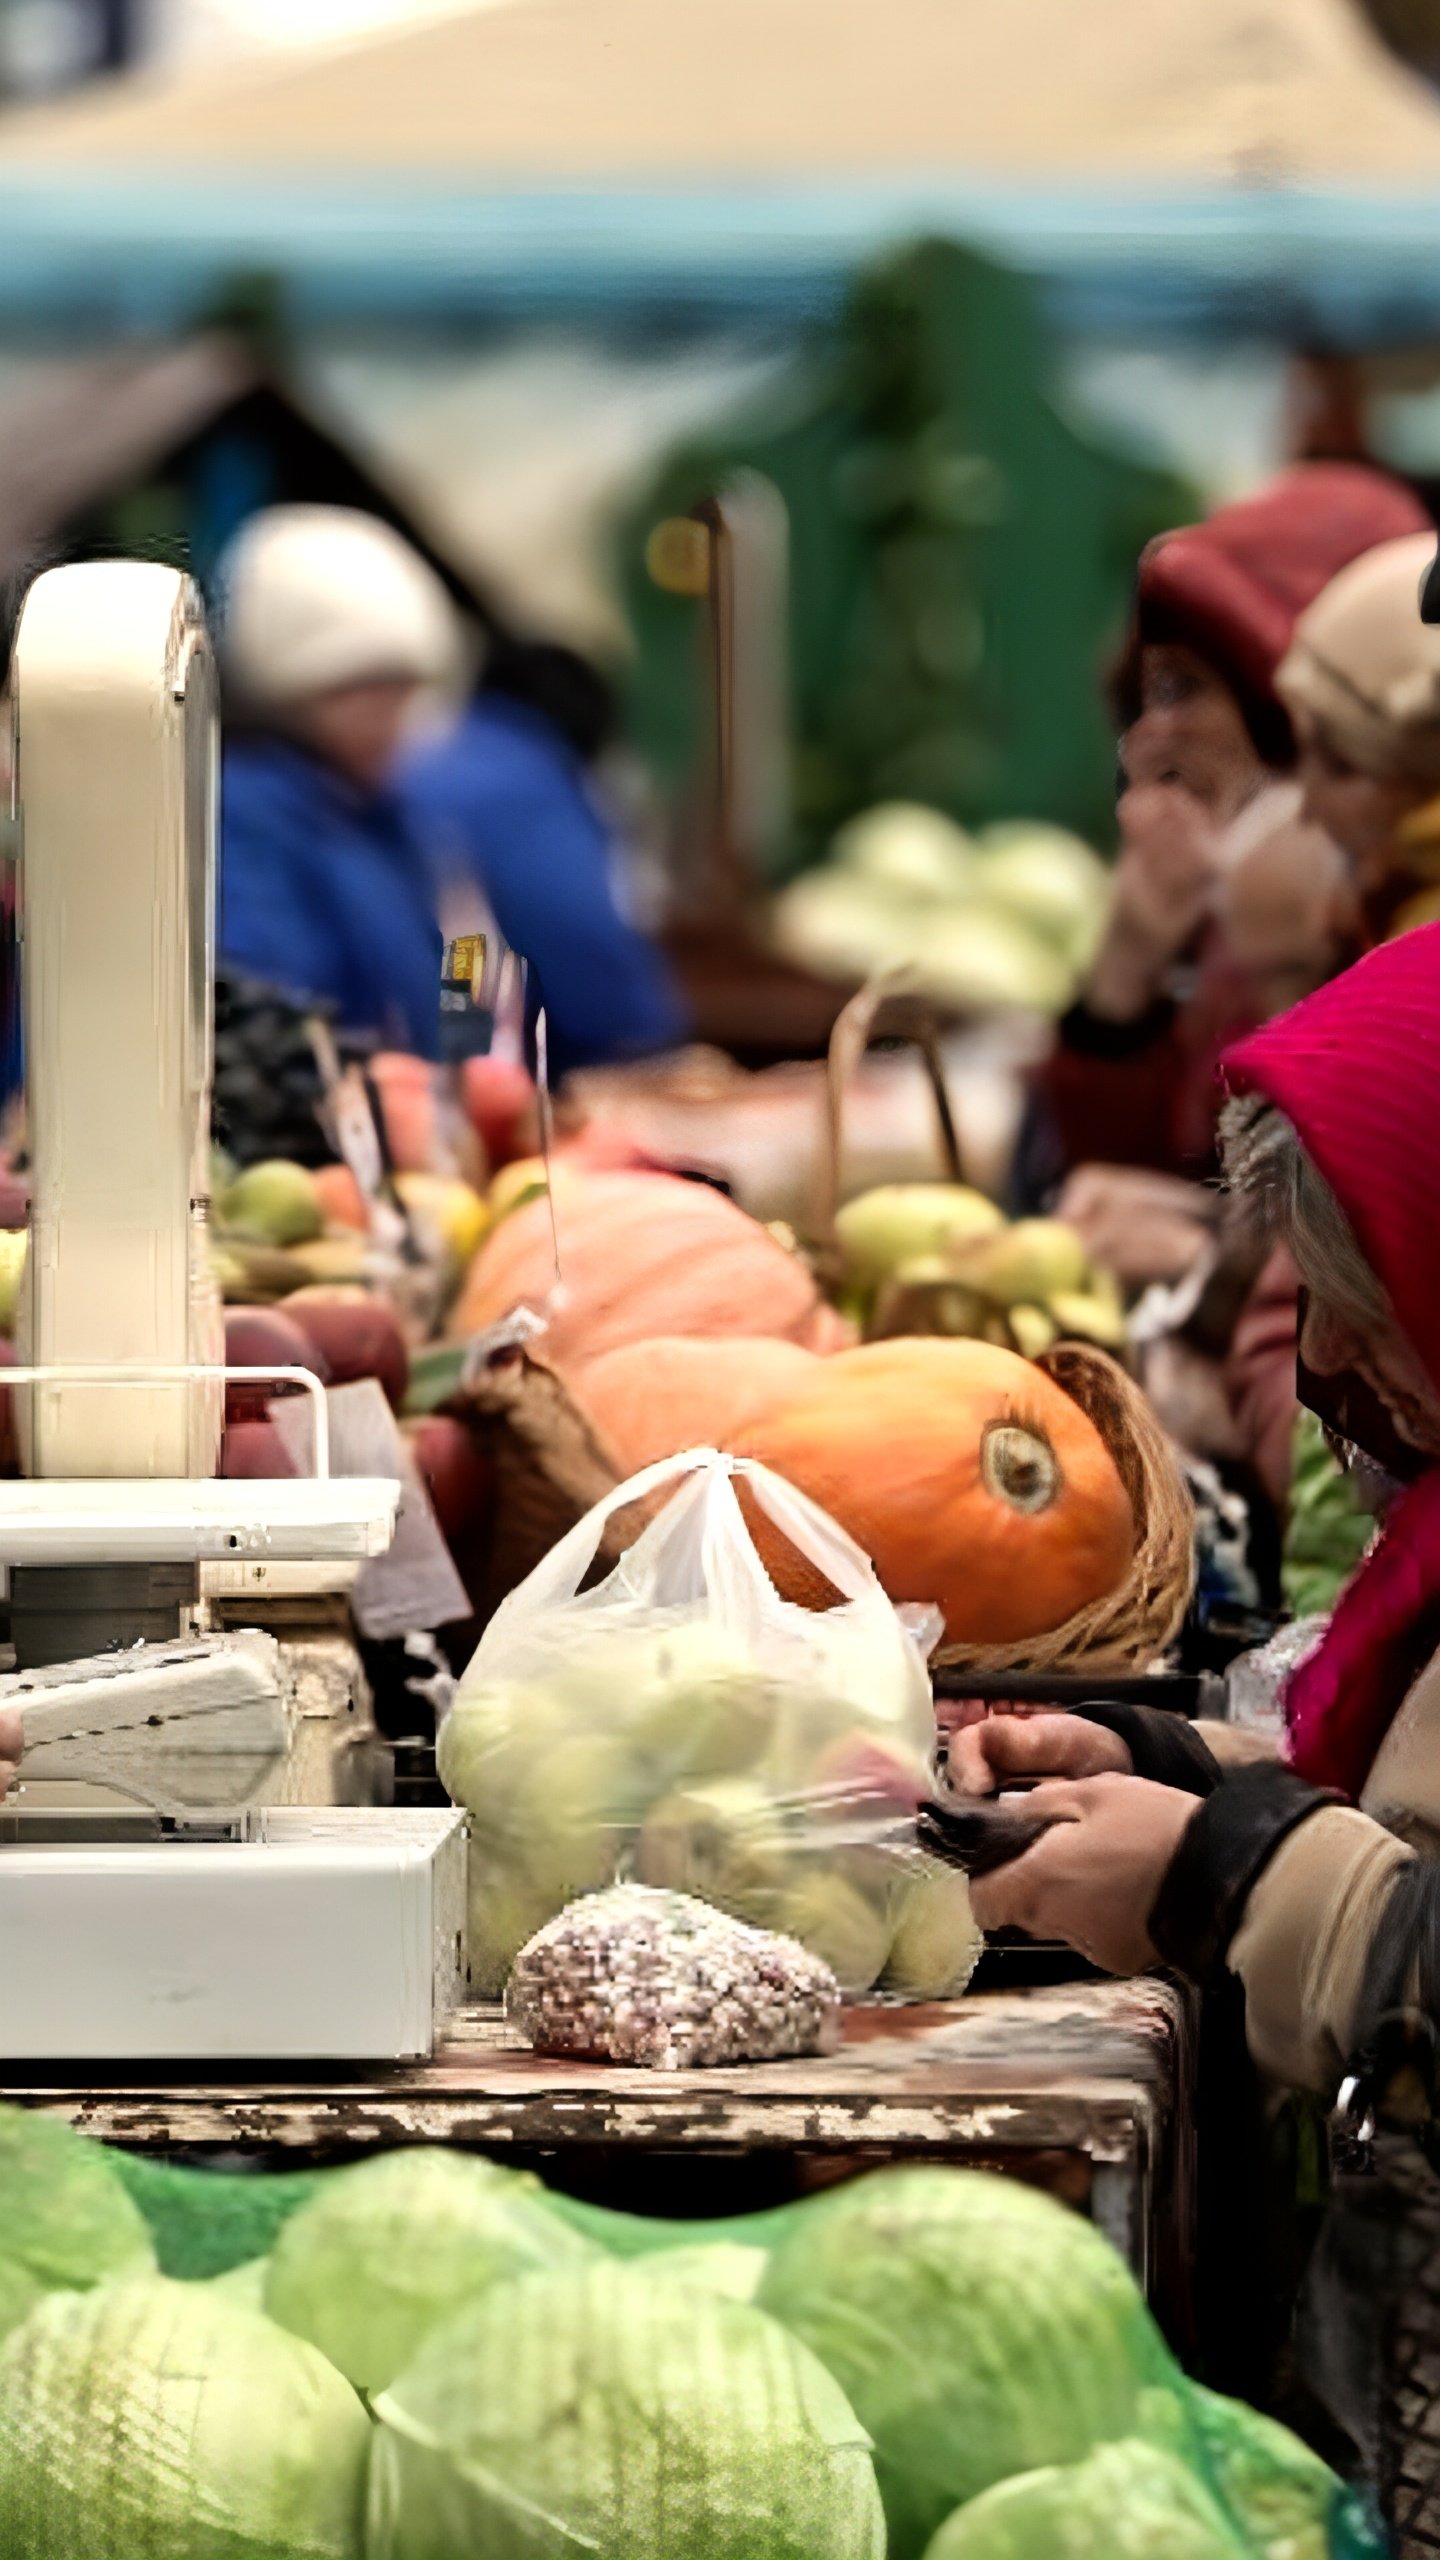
[651,1400]
[969,1477]
[644,1255]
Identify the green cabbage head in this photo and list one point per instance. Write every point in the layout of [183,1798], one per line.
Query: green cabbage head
[977,2328]
[389,2250]
[606,2414]
[1126,2502]
[152,2420]
[65,2218]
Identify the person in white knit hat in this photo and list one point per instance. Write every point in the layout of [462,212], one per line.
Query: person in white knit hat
[351,828]
[1362,685]
[333,632]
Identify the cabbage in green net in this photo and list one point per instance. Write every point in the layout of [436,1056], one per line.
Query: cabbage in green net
[607,2414]
[1280,2492]
[725,2267]
[243,2284]
[386,2251]
[150,2420]
[977,2328]
[19,2293]
[65,2218]
[1127,2501]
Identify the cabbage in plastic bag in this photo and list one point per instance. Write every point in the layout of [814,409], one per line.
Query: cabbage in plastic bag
[156,2418]
[65,2218]
[609,2414]
[391,2249]
[683,1726]
[978,2329]
[1128,2501]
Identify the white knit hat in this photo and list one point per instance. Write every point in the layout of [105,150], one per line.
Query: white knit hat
[1365,669]
[316,598]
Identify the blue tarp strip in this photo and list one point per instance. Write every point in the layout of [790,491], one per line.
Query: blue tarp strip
[1347,266]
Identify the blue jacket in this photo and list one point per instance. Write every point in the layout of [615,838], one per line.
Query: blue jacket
[501,803]
[326,891]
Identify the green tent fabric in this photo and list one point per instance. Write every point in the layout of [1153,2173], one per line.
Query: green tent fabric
[960,562]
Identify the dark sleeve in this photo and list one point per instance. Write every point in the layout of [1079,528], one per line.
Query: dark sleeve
[1162,1747]
[1225,1851]
[1111,1090]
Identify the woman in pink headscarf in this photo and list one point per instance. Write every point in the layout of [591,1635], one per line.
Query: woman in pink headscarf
[1284,1874]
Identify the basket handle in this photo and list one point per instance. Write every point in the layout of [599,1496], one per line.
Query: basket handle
[888,1006]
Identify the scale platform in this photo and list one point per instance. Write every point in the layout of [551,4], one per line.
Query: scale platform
[218,1520]
[325,1936]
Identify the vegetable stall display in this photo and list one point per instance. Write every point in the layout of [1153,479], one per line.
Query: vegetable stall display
[433,2359]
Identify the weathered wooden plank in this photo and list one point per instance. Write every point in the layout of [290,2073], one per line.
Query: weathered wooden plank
[1091,2067]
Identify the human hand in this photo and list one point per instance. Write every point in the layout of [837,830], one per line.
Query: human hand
[1162,891]
[1139,1226]
[988,1751]
[1092,1880]
[11,1745]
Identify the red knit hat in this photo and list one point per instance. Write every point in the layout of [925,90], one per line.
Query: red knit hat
[1234,587]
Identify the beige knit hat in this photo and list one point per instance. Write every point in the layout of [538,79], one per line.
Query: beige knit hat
[1364,669]
[317,598]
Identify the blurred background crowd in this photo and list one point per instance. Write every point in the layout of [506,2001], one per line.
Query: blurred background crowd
[729,501]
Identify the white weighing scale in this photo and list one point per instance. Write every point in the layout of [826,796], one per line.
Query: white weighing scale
[204,1925]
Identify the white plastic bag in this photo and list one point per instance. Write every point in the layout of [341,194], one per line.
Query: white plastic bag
[681,1725]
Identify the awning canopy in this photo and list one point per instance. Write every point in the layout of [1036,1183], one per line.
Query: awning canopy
[1263,92]
[1260,164]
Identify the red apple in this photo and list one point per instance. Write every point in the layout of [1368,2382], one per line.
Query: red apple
[406,1090]
[254,1449]
[355,1338]
[456,1474]
[340,1196]
[14,1199]
[863,1776]
[261,1338]
[500,1102]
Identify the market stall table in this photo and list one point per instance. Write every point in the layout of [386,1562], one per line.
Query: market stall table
[1083,2087]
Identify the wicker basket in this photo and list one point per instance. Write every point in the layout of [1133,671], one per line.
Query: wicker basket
[552,1466]
[1132,1626]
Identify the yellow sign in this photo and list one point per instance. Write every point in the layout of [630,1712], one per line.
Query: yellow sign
[465,963]
[677,556]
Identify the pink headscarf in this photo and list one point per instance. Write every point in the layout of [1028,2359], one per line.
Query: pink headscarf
[1356,1070]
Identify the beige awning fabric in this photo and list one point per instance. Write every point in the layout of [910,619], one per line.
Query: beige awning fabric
[1183,93]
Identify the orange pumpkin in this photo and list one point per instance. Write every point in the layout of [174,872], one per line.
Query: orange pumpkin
[644,1255]
[971,1480]
[650,1400]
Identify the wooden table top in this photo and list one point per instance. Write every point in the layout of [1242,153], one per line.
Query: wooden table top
[1095,2067]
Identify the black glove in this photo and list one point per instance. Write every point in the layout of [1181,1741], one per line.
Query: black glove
[1163,1747]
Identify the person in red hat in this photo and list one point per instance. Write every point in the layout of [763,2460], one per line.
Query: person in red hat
[1128,1094]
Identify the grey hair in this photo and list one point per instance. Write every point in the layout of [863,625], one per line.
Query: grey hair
[1266,1166]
